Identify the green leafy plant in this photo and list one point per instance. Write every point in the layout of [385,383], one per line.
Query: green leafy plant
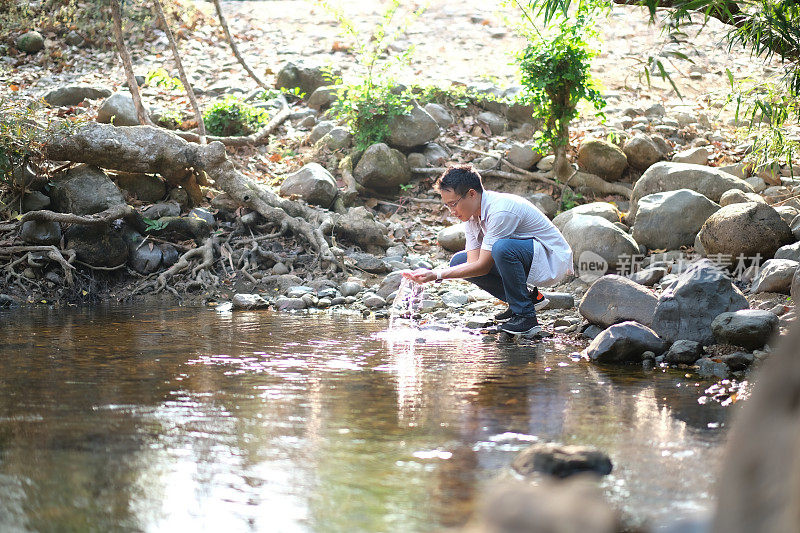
[154,225]
[161,78]
[367,104]
[21,139]
[554,68]
[231,116]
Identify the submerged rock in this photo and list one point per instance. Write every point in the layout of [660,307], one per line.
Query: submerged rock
[684,352]
[561,461]
[249,301]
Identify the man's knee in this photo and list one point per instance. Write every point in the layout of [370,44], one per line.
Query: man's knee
[459,258]
[503,249]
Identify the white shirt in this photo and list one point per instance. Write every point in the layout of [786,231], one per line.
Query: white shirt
[508,216]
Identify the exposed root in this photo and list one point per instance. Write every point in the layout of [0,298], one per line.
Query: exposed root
[205,252]
[98,219]
[53,253]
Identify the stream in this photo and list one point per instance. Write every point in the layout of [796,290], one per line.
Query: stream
[129,418]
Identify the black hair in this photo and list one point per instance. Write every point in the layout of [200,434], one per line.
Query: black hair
[460,179]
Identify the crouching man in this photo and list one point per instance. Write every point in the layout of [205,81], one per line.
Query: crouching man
[512,248]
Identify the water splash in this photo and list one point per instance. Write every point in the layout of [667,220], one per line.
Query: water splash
[406,305]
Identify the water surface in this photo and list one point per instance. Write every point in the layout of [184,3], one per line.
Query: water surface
[134,419]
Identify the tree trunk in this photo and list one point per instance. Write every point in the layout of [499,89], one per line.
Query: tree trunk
[133,87]
[181,72]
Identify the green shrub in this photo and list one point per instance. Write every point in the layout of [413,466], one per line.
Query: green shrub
[230,116]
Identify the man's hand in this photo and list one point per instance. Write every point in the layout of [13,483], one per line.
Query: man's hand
[421,275]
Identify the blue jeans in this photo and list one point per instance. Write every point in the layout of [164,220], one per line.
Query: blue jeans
[507,279]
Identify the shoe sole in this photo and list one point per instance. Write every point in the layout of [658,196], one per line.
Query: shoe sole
[533,331]
[542,304]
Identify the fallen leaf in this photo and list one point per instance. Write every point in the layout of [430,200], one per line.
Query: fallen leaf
[14,87]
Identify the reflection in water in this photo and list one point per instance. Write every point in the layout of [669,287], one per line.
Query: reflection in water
[134,419]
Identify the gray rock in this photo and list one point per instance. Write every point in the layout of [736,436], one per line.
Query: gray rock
[749,328]
[336,139]
[740,170]
[369,263]
[671,219]
[561,460]
[413,129]
[382,168]
[790,251]
[486,163]
[544,202]
[546,163]
[290,304]
[299,75]
[74,38]
[523,155]
[84,190]
[145,187]
[497,124]
[613,299]
[641,152]
[455,299]
[320,130]
[693,156]
[390,284]
[145,259]
[775,275]
[351,288]
[417,160]
[74,95]
[757,184]
[181,228]
[373,301]
[795,227]
[686,308]
[591,331]
[313,183]
[788,213]
[668,176]
[298,291]
[738,360]
[30,42]
[604,210]
[603,159]
[683,352]
[735,196]
[624,343]
[592,238]
[711,369]
[35,201]
[164,209]
[452,238]
[40,232]
[169,255]
[559,300]
[648,276]
[118,109]
[435,155]
[748,229]
[203,214]
[97,246]
[441,115]
[358,225]
[323,97]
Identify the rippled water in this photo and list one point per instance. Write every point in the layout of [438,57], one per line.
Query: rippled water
[132,419]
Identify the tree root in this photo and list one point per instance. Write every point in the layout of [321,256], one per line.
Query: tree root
[597,184]
[53,253]
[98,219]
[151,150]
[205,252]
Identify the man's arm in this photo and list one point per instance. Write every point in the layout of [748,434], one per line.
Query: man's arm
[479,263]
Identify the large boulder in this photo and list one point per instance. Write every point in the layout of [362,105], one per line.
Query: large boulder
[301,76]
[523,156]
[30,42]
[313,183]
[775,275]
[795,289]
[750,229]
[84,190]
[412,129]
[44,232]
[790,251]
[602,158]
[452,238]
[667,176]
[749,328]
[694,156]
[382,168]
[146,187]
[642,152]
[594,238]
[440,114]
[544,202]
[74,94]
[613,299]
[624,343]
[686,308]
[97,246]
[669,220]
[118,109]
[604,210]
[358,225]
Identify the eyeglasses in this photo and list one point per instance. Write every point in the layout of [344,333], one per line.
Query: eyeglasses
[452,205]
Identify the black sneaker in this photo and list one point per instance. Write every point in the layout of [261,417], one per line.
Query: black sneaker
[522,325]
[539,302]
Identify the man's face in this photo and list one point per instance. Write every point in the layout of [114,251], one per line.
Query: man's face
[462,207]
